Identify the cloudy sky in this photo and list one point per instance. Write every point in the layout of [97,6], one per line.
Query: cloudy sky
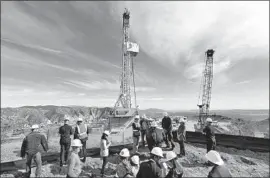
[69,53]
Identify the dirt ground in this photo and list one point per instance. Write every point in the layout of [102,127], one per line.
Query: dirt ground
[241,163]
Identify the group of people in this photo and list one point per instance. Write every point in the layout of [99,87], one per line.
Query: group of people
[148,131]
[144,129]
[31,147]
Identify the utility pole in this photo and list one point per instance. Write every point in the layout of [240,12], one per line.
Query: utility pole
[206,85]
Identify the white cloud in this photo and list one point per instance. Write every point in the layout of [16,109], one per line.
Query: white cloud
[185,30]
[243,82]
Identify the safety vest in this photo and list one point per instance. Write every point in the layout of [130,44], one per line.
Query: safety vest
[79,130]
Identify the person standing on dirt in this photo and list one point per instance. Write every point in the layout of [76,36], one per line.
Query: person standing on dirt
[81,132]
[219,169]
[152,168]
[167,126]
[136,133]
[182,136]
[124,168]
[144,127]
[74,162]
[175,169]
[208,131]
[156,136]
[65,132]
[30,149]
[104,149]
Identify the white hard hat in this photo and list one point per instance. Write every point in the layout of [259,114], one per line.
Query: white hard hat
[35,126]
[157,151]
[107,132]
[80,119]
[124,152]
[214,157]
[154,124]
[137,117]
[165,113]
[144,116]
[135,159]
[170,155]
[76,142]
[66,118]
[182,120]
[209,119]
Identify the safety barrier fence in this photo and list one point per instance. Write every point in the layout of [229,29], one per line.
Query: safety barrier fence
[233,141]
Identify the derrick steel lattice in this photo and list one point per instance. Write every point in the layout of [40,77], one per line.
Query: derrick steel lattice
[127,66]
[206,85]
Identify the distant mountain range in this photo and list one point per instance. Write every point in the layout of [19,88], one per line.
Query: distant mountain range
[13,118]
[40,114]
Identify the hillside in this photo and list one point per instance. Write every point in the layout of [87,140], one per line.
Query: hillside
[28,115]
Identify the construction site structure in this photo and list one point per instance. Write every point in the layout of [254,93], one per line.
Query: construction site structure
[123,110]
[205,92]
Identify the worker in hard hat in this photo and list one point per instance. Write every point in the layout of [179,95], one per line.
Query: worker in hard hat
[155,136]
[181,133]
[104,149]
[30,149]
[152,168]
[219,169]
[174,166]
[81,132]
[167,126]
[65,132]
[124,168]
[144,123]
[74,162]
[135,164]
[210,135]
[136,133]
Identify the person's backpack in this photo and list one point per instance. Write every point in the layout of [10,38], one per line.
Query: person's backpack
[144,125]
[159,135]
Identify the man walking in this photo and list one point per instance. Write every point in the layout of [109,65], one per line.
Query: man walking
[167,126]
[81,132]
[144,127]
[136,133]
[182,137]
[65,132]
[208,131]
[30,149]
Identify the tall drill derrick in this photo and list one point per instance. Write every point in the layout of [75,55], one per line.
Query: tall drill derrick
[129,50]
[207,87]
[126,72]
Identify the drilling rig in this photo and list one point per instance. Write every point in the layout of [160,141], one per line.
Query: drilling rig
[123,112]
[206,87]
